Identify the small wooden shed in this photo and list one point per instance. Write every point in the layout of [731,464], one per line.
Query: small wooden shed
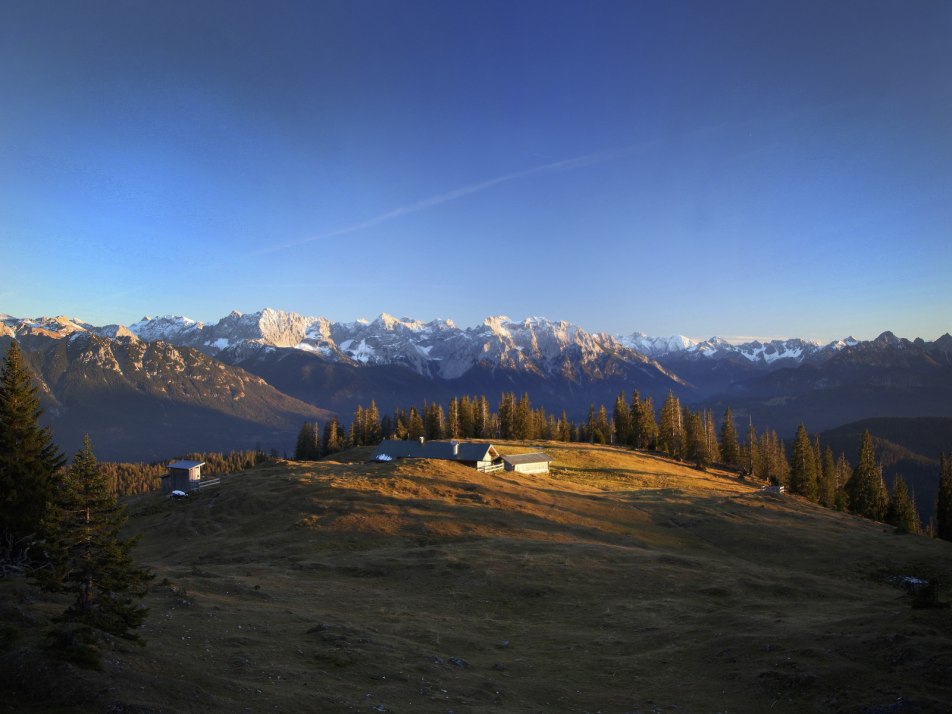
[182,476]
[537,463]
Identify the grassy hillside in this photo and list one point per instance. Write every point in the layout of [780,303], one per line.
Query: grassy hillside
[620,583]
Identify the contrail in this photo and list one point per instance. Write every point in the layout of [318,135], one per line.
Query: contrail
[563,165]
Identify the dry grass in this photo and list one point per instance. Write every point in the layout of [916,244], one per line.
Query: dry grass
[622,582]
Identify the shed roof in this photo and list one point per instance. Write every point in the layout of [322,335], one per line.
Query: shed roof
[185,464]
[535,458]
[409,449]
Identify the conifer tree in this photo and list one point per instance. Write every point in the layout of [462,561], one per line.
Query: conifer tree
[710,438]
[943,506]
[522,419]
[386,427]
[826,485]
[452,420]
[467,418]
[695,439]
[901,511]
[603,430]
[843,474]
[372,430]
[866,491]
[28,460]
[634,433]
[434,421]
[484,426]
[507,415]
[670,427]
[621,416]
[730,449]
[307,447]
[332,440]
[89,559]
[648,425]
[752,452]
[803,477]
[415,427]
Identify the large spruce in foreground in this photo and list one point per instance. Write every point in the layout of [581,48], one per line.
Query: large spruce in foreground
[90,560]
[28,461]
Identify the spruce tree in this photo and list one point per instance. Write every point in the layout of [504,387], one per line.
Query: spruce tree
[695,440]
[28,461]
[649,425]
[901,511]
[866,491]
[415,428]
[826,485]
[621,417]
[373,432]
[603,430]
[670,427]
[332,440]
[803,477]
[843,473]
[943,506]
[710,437]
[730,449]
[637,420]
[752,452]
[307,447]
[453,429]
[507,416]
[90,561]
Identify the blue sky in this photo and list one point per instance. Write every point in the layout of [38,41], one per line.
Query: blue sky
[734,168]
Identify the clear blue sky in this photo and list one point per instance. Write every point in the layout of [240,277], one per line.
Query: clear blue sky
[732,168]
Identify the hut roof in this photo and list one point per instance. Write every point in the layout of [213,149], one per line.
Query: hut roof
[534,458]
[409,449]
[185,464]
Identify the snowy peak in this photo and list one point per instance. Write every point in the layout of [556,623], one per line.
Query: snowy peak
[439,348]
[657,346]
[168,328]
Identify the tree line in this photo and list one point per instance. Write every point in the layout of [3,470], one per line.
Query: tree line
[807,469]
[127,479]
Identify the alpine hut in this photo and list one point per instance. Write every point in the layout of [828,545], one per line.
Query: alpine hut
[482,457]
[537,463]
[182,476]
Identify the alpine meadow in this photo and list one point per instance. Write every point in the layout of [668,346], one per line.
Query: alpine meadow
[705,467]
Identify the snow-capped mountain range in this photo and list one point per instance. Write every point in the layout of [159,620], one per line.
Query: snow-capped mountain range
[255,376]
[438,348]
[434,349]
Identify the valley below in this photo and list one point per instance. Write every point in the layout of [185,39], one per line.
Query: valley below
[619,582]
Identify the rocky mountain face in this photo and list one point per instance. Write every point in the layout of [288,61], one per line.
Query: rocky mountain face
[312,362]
[148,400]
[437,349]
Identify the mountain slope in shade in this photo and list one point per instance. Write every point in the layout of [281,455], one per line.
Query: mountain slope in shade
[151,400]
[908,447]
[885,377]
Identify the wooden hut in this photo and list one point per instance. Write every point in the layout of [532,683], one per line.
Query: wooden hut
[482,457]
[537,463]
[182,476]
